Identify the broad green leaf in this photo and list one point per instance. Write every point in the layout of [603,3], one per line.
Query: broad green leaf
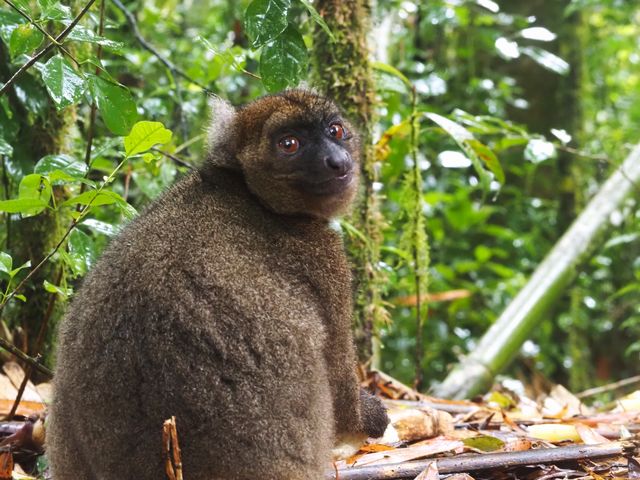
[264,20]
[84,34]
[53,10]
[63,83]
[283,62]
[63,163]
[6,262]
[94,198]
[115,103]
[35,186]
[51,288]
[82,250]
[25,206]
[145,135]
[20,297]
[24,39]
[547,59]
[318,19]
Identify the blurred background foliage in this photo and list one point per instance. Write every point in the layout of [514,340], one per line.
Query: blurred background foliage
[551,87]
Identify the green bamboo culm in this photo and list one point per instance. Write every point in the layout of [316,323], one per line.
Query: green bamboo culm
[343,72]
[554,275]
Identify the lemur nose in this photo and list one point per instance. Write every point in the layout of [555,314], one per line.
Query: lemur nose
[338,165]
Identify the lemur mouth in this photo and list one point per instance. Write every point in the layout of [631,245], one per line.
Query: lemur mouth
[330,186]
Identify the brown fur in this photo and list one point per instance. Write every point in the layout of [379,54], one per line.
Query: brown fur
[227,303]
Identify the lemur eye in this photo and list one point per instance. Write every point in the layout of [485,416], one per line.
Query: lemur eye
[289,144]
[336,130]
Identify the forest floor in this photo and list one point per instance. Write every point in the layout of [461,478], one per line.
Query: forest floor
[500,436]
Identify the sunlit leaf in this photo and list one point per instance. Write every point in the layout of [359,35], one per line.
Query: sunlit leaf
[283,62]
[538,33]
[145,135]
[508,49]
[547,59]
[264,20]
[538,150]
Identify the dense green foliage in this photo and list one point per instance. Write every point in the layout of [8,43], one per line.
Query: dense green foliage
[496,123]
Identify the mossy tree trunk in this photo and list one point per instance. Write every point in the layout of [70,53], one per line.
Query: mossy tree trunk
[343,72]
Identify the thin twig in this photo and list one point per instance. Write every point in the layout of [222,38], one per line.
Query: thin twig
[490,461]
[133,24]
[12,349]
[23,386]
[177,160]
[42,30]
[46,49]
[610,386]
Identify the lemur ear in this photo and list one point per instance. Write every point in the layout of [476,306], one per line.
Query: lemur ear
[221,135]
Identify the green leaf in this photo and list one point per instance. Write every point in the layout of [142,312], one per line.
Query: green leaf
[264,20]
[84,34]
[20,297]
[115,103]
[145,135]
[547,59]
[64,85]
[82,251]
[489,158]
[51,288]
[318,19]
[383,67]
[9,21]
[283,62]
[96,198]
[6,262]
[484,443]
[25,206]
[24,39]
[14,272]
[477,152]
[53,10]
[61,163]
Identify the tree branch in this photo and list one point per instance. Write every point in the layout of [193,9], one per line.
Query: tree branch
[48,48]
[133,24]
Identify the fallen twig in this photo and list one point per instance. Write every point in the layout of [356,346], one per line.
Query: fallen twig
[173,461]
[488,461]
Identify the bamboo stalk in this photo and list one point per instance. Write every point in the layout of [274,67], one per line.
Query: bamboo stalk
[502,341]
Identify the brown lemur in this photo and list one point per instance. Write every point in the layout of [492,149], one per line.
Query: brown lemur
[226,303]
